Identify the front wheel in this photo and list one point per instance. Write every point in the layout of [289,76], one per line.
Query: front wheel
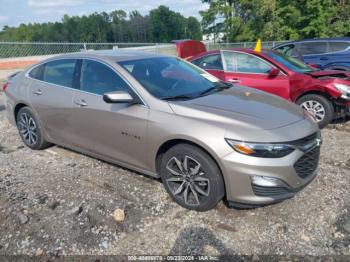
[319,106]
[192,178]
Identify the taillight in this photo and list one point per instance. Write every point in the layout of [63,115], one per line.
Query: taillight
[4,87]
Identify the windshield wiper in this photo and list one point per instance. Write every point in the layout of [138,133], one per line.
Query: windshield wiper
[178,97]
[216,88]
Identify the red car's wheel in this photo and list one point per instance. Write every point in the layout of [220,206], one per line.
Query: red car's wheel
[319,106]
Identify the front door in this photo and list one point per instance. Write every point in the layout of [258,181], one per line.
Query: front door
[252,71]
[117,131]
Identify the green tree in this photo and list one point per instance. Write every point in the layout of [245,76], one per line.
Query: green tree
[246,20]
[193,29]
[166,25]
[161,25]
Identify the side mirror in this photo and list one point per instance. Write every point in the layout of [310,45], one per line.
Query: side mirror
[274,72]
[118,97]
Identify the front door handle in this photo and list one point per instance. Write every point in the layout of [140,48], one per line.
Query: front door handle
[324,58]
[81,102]
[38,92]
[234,80]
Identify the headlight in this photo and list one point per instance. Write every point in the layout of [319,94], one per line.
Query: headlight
[261,150]
[345,89]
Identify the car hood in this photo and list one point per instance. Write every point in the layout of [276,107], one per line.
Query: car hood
[330,74]
[241,107]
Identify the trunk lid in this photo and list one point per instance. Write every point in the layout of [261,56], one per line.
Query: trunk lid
[189,48]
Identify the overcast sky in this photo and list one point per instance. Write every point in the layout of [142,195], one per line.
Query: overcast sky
[15,12]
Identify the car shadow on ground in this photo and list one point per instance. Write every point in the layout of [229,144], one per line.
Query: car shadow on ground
[341,120]
[199,240]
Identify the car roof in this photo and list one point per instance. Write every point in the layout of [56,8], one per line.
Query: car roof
[323,39]
[244,50]
[115,55]
[314,40]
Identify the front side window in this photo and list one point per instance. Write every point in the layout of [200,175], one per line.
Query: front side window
[338,46]
[60,72]
[209,62]
[99,79]
[313,48]
[170,77]
[251,64]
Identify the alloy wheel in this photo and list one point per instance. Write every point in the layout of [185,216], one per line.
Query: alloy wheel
[315,108]
[187,182]
[28,129]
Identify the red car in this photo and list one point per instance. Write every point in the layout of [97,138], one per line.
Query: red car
[325,94]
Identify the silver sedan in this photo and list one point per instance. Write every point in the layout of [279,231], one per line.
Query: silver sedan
[159,115]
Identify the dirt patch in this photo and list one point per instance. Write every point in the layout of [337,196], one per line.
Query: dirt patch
[10,65]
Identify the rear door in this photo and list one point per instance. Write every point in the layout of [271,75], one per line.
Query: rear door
[51,93]
[252,71]
[212,63]
[116,131]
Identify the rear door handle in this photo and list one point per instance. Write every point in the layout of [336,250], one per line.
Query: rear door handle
[324,58]
[234,80]
[81,102]
[38,92]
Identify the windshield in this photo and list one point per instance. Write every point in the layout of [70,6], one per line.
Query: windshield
[171,78]
[290,62]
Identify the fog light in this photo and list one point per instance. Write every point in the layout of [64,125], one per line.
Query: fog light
[268,181]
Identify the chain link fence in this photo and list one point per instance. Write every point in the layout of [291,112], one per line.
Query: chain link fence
[27,49]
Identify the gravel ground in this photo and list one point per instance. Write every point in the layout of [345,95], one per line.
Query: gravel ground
[57,202]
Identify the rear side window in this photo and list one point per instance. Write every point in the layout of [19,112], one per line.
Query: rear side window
[338,46]
[209,62]
[37,72]
[313,48]
[98,79]
[60,72]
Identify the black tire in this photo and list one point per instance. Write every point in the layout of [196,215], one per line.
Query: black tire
[324,102]
[30,130]
[207,183]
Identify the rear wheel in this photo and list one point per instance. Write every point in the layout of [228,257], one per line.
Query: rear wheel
[30,130]
[192,178]
[319,106]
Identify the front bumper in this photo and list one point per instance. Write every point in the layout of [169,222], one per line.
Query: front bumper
[292,173]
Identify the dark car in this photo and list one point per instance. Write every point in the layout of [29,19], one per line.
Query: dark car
[326,53]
